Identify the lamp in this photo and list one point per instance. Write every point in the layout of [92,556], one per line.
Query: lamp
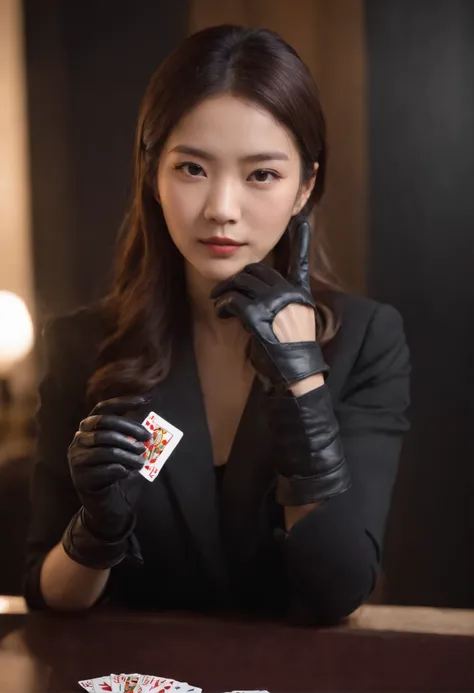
[16,340]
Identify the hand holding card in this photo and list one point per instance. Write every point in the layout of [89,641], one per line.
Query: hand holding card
[104,460]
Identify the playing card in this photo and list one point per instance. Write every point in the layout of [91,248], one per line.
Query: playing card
[144,682]
[157,684]
[98,685]
[128,682]
[138,683]
[162,685]
[115,682]
[165,437]
[181,687]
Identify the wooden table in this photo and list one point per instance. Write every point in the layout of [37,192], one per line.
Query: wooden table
[379,649]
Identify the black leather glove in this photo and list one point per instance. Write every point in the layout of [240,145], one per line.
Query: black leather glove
[309,458]
[255,296]
[104,465]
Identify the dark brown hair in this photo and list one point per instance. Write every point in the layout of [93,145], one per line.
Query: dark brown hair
[147,304]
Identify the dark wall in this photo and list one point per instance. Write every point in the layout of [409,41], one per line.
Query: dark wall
[88,64]
[421,87]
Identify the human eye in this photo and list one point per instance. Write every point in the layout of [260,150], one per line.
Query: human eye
[190,169]
[261,176]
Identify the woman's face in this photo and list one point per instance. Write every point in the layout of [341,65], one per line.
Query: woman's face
[229,171]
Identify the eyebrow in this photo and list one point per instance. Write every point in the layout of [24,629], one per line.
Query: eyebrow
[261,156]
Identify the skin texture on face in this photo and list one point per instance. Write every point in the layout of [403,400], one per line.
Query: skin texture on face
[211,181]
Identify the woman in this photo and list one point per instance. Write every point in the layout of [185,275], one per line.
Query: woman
[290,394]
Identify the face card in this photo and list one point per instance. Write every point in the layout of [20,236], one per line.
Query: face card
[165,437]
[131,682]
[128,682]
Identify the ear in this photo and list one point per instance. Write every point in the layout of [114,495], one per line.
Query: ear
[305,191]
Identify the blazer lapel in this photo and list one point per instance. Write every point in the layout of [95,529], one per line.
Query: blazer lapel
[189,470]
[248,478]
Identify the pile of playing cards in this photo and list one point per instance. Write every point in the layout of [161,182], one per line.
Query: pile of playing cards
[138,683]
[164,438]
[141,683]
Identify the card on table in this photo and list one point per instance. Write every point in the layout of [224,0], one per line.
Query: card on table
[157,684]
[103,683]
[141,683]
[164,439]
[128,682]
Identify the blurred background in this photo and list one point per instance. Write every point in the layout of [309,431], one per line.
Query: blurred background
[397,86]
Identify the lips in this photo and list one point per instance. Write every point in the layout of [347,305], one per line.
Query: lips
[221,247]
[219,240]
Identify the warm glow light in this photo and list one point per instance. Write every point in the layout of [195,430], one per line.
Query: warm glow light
[12,605]
[16,331]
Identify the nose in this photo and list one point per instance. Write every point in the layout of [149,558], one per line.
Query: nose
[222,202]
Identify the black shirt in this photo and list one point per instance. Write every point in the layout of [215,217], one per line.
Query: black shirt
[219,471]
[199,551]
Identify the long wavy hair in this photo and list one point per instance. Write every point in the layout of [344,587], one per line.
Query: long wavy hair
[147,305]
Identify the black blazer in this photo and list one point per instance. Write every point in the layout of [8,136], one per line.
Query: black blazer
[203,549]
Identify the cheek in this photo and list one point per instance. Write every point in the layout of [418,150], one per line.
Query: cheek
[272,211]
[179,205]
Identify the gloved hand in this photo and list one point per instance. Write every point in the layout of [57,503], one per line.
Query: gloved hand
[256,295]
[104,465]
[309,458]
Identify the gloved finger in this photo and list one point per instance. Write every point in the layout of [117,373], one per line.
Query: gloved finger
[115,423]
[268,275]
[119,405]
[246,284]
[101,456]
[111,439]
[298,270]
[232,305]
[100,478]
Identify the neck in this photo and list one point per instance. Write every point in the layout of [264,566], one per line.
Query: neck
[203,314]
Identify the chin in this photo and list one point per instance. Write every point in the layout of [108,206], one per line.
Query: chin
[220,271]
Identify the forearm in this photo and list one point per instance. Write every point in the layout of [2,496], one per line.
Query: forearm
[67,585]
[329,559]
[295,513]
[330,562]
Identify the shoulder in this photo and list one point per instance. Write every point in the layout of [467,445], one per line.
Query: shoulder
[370,343]
[370,320]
